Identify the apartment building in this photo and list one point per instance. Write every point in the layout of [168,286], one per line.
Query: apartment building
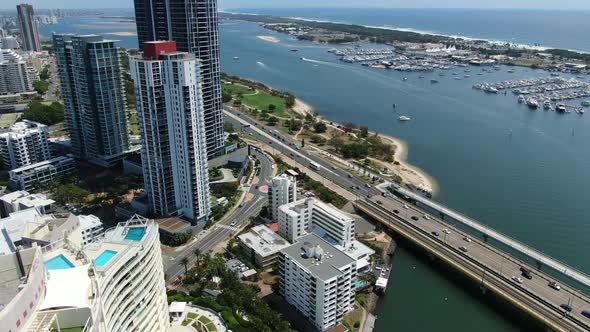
[283,190]
[25,143]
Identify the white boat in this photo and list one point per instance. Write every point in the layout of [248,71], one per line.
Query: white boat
[547,104]
[586,103]
[490,89]
[561,108]
[404,118]
[236,58]
[521,99]
[532,103]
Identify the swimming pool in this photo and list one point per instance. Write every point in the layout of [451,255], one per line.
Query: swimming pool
[104,258]
[58,263]
[135,234]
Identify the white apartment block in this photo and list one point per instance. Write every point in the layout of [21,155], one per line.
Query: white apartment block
[168,88]
[24,144]
[91,228]
[113,284]
[302,217]
[283,190]
[22,200]
[318,280]
[263,244]
[15,75]
[26,177]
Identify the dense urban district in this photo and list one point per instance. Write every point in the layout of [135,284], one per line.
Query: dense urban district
[145,190]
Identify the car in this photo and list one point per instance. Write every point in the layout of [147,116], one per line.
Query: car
[435,233]
[554,285]
[349,176]
[467,239]
[396,211]
[270,142]
[524,269]
[463,249]
[378,268]
[233,223]
[405,206]
[527,275]
[517,279]
[367,185]
[566,307]
[334,167]
[446,231]
[379,202]
[357,187]
[415,218]
[427,217]
[586,313]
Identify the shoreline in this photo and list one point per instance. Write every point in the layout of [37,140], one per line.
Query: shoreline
[409,173]
[270,39]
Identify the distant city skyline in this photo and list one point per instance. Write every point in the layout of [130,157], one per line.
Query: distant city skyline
[523,4]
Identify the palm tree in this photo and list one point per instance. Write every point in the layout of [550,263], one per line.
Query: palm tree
[197,253]
[184,261]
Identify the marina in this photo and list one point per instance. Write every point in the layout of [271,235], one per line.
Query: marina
[551,92]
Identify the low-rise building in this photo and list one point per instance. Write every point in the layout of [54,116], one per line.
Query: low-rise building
[172,226]
[22,200]
[263,244]
[28,177]
[318,280]
[91,228]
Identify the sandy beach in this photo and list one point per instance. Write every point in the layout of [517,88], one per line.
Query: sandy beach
[409,173]
[269,39]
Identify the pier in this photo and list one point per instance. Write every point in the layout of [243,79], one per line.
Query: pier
[494,269]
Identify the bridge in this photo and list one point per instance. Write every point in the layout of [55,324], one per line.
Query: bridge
[540,258]
[492,268]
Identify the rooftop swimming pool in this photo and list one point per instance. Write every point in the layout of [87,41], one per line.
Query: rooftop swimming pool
[135,233]
[58,263]
[104,258]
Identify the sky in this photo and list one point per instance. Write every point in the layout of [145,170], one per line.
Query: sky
[530,4]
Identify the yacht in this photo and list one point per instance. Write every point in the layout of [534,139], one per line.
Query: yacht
[404,79]
[236,58]
[490,89]
[532,103]
[404,118]
[521,99]
[561,108]
[547,104]
[433,81]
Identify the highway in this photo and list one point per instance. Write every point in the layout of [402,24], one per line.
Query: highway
[224,229]
[501,269]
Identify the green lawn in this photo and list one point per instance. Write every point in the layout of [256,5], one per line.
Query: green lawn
[204,320]
[235,89]
[192,315]
[7,120]
[263,99]
[211,327]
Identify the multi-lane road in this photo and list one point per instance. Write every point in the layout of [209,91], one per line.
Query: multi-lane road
[229,226]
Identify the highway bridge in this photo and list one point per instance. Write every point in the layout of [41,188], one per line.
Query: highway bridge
[485,264]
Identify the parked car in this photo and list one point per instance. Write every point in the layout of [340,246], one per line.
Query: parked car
[427,217]
[554,285]
[527,275]
[396,211]
[586,313]
[566,307]
[406,206]
[446,231]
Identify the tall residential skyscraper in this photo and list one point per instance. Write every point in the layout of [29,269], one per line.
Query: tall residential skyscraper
[92,89]
[193,25]
[174,153]
[14,74]
[28,28]
[26,143]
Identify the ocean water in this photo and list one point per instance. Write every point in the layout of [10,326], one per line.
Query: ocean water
[532,184]
[550,28]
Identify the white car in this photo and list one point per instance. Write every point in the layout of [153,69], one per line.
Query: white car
[427,217]
[467,239]
[517,279]
[233,223]
[406,206]
[446,231]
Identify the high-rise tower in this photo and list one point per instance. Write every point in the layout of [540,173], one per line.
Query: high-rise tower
[170,108]
[92,89]
[28,28]
[193,25]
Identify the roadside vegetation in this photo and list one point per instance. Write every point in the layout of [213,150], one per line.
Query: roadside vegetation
[47,114]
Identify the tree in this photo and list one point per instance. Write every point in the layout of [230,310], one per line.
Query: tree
[228,127]
[226,97]
[272,107]
[317,139]
[69,193]
[364,131]
[46,114]
[184,261]
[41,87]
[197,254]
[336,142]
[320,127]
[272,121]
